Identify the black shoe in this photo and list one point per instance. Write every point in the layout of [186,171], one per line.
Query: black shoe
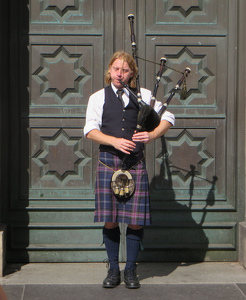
[131,279]
[113,279]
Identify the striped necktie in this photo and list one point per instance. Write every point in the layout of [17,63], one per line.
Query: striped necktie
[120,93]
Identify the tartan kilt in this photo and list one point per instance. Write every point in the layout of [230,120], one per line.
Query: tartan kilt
[136,210]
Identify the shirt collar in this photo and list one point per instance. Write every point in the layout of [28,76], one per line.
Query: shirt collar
[115,90]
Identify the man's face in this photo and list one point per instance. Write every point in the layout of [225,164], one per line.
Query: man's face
[120,71]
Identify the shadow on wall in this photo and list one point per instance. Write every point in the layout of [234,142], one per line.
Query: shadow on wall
[14,129]
[175,236]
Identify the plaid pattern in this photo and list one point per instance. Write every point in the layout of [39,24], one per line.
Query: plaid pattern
[136,210]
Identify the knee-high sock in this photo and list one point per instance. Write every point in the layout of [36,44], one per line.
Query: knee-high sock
[111,238]
[133,240]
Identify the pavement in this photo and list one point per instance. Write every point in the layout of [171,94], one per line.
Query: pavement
[171,281]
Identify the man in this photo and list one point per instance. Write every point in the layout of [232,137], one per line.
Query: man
[111,122]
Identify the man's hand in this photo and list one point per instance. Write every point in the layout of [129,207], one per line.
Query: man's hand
[142,137]
[146,137]
[123,145]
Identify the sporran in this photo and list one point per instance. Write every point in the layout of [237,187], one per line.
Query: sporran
[122,184]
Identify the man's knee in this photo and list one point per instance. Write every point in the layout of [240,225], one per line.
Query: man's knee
[134,234]
[135,227]
[111,225]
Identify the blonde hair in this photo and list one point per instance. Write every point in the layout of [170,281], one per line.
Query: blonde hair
[125,57]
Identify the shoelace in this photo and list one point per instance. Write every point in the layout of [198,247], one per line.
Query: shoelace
[131,273]
[113,271]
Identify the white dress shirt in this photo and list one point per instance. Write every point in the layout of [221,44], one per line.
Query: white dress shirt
[95,108]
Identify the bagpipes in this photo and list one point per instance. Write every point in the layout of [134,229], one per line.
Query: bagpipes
[148,119]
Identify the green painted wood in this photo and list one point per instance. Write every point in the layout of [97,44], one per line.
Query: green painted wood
[58,60]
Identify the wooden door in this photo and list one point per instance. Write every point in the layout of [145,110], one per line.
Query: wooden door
[61,56]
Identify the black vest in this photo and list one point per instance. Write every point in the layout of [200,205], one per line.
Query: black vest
[118,121]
